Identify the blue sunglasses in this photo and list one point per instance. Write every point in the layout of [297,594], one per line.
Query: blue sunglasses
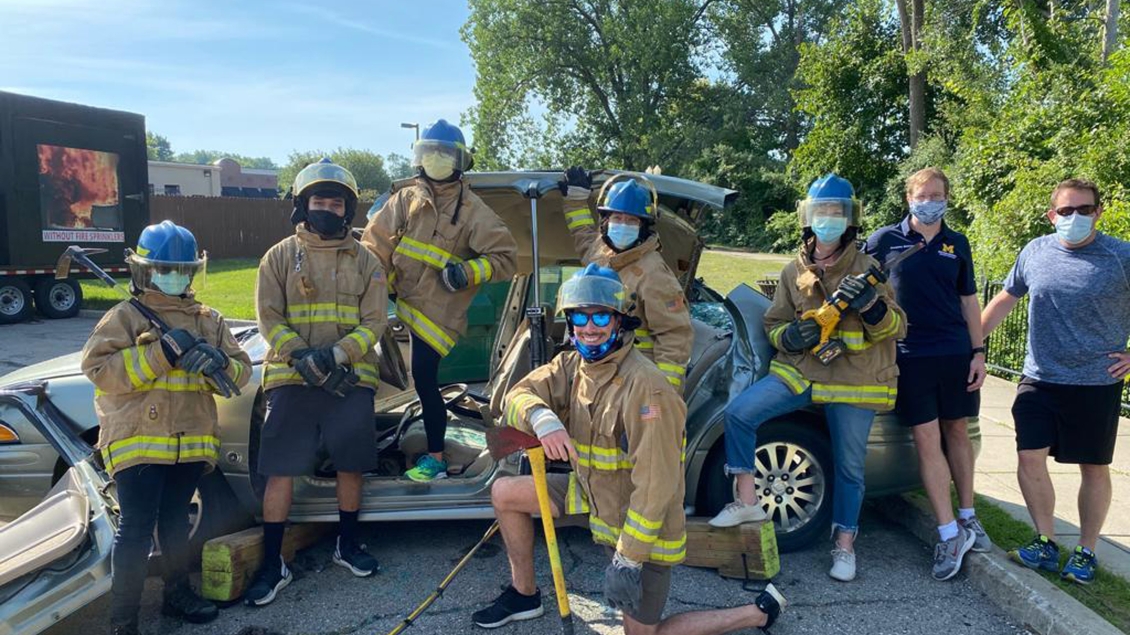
[601,319]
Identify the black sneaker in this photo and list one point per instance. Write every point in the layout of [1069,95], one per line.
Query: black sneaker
[268,582]
[511,606]
[355,558]
[181,601]
[771,603]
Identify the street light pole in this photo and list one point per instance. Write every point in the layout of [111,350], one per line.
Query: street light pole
[414,126]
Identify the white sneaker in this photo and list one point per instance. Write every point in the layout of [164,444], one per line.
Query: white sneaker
[843,565]
[737,513]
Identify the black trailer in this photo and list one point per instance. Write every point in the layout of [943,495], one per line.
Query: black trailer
[69,174]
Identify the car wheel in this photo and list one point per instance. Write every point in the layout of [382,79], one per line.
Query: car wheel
[58,299]
[15,300]
[214,511]
[794,481]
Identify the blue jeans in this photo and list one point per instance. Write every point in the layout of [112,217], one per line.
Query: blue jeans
[849,426]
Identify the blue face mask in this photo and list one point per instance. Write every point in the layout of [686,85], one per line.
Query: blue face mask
[172,283]
[928,212]
[1075,228]
[828,229]
[622,235]
[596,353]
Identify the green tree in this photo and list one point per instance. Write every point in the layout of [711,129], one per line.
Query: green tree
[157,147]
[367,167]
[398,166]
[208,157]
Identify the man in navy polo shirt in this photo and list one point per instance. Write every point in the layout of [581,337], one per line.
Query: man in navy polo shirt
[941,361]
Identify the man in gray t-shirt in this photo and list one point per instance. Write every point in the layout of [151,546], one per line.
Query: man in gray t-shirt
[1068,402]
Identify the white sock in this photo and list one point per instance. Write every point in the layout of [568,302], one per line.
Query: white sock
[965,513]
[948,530]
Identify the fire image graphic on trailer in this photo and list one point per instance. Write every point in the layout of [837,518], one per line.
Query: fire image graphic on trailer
[79,197]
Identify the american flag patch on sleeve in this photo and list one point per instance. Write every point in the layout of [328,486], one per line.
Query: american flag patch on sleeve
[649,412]
[676,304]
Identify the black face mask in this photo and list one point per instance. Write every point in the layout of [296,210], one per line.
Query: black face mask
[326,224]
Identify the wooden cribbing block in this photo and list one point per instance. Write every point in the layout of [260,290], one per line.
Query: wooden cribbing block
[722,549]
[229,562]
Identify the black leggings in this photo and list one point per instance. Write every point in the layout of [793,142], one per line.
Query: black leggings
[425,374]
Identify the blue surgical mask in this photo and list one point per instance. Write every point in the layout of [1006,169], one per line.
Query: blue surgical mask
[596,353]
[172,283]
[828,229]
[1075,228]
[622,235]
[928,212]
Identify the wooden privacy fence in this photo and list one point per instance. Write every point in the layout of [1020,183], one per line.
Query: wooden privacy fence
[232,227]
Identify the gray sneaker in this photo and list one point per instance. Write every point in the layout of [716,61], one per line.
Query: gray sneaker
[948,554]
[982,543]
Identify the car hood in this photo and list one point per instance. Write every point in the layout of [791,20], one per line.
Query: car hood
[63,366]
[682,203]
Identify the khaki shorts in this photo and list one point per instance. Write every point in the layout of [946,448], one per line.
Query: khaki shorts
[655,579]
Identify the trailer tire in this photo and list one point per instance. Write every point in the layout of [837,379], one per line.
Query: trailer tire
[15,300]
[57,299]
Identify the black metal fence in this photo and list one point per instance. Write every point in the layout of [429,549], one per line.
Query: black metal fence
[1006,345]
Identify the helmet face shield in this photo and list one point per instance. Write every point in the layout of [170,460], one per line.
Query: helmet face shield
[592,291]
[811,208]
[325,175]
[435,154]
[168,277]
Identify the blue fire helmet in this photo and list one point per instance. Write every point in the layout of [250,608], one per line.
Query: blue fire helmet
[632,195]
[830,195]
[593,286]
[165,248]
[445,139]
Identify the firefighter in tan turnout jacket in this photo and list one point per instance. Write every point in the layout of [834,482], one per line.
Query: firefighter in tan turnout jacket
[154,397]
[321,300]
[627,242]
[607,410]
[439,242]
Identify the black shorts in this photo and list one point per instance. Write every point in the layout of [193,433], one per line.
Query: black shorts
[302,420]
[1078,423]
[935,388]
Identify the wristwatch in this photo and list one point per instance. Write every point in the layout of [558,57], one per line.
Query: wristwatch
[979,349]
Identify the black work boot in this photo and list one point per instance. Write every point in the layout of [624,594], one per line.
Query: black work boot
[181,601]
[771,603]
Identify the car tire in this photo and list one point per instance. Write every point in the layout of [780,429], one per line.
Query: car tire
[15,300]
[218,511]
[58,299]
[807,508]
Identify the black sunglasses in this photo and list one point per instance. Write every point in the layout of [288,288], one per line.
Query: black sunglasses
[1085,210]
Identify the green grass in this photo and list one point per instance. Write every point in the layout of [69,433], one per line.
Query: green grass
[230,284]
[725,270]
[1108,595]
[228,287]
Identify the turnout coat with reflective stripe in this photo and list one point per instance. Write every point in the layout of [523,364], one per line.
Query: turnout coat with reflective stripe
[417,233]
[314,292]
[666,336]
[866,375]
[627,424]
[148,411]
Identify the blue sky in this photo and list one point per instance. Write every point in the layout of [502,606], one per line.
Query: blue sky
[250,76]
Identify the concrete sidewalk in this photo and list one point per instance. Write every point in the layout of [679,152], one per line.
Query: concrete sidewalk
[996,479]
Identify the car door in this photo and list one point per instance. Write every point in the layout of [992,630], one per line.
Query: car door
[55,558]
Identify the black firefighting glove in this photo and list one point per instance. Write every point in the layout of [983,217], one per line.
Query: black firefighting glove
[316,365]
[857,292]
[800,335]
[622,585]
[575,177]
[176,343]
[454,277]
[340,381]
[204,358]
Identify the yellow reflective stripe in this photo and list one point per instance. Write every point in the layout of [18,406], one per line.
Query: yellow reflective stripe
[392,282]
[488,269]
[670,550]
[137,367]
[775,334]
[674,372]
[640,528]
[323,312]
[279,335]
[279,372]
[517,404]
[365,338]
[602,532]
[853,340]
[579,218]
[428,254]
[161,448]
[598,458]
[644,339]
[575,500]
[890,329]
[791,376]
[869,394]
[237,369]
[424,328]
[476,272]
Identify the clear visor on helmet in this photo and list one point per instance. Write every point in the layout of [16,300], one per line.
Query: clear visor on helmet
[163,275]
[592,291]
[445,151]
[812,208]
